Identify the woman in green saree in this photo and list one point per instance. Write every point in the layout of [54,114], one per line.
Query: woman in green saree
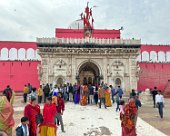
[6,112]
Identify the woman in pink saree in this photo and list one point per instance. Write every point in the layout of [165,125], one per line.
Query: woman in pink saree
[6,112]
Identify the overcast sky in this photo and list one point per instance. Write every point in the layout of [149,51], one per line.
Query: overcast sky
[24,20]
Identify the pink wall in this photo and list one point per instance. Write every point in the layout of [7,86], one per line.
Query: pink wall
[17,45]
[79,33]
[156,48]
[153,74]
[18,73]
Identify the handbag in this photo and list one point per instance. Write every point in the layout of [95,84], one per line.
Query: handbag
[39,119]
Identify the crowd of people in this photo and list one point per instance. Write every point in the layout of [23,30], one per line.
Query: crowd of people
[45,123]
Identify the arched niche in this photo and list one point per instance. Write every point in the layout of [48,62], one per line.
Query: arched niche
[22,54]
[30,54]
[161,56]
[4,54]
[153,56]
[145,56]
[168,56]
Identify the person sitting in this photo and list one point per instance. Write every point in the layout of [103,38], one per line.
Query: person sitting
[22,129]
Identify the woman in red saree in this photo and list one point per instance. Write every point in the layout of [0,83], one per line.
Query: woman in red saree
[6,112]
[48,127]
[31,111]
[127,118]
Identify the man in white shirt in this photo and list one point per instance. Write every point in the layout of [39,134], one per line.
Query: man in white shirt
[160,103]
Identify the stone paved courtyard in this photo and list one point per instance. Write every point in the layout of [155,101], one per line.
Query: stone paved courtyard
[92,121]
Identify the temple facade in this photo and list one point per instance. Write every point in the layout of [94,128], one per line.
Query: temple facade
[89,61]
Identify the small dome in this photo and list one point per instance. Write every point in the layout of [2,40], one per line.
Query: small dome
[78,24]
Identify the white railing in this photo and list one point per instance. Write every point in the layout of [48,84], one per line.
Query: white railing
[88,40]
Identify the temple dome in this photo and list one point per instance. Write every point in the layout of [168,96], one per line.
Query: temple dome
[78,24]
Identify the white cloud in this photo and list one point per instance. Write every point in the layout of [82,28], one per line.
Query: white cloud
[27,19]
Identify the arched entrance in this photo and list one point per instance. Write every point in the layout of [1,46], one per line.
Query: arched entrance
[60,81]
[118,82]
[89,74]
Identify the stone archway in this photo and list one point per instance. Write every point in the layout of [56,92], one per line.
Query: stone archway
[89,74]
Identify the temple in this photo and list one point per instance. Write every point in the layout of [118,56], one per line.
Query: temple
[84,54]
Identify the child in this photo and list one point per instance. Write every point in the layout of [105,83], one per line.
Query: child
[22,129]
[121,106]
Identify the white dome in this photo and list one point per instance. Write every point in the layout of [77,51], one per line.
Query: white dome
[78,24]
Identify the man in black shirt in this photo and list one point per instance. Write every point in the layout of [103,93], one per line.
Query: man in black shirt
[154,93]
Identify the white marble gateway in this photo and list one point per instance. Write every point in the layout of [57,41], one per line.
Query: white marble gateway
[89,62]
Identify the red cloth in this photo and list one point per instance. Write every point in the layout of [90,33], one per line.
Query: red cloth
[60,106]
[49,113]
[30,112]
[127,119]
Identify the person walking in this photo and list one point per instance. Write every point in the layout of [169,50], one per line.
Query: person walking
[117,102]
[107,97]
[138,104]
[120,92]
[30,88]
[160,103]
[70,92]
[101,96]
[91,94]
[40,94]
[113,93]
[127,118]
[48,127]
[46,91]
[25,91]
[60,110]
[95,95]
[154,93]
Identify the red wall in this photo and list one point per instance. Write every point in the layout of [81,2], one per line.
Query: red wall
[153,74]
[18,73]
